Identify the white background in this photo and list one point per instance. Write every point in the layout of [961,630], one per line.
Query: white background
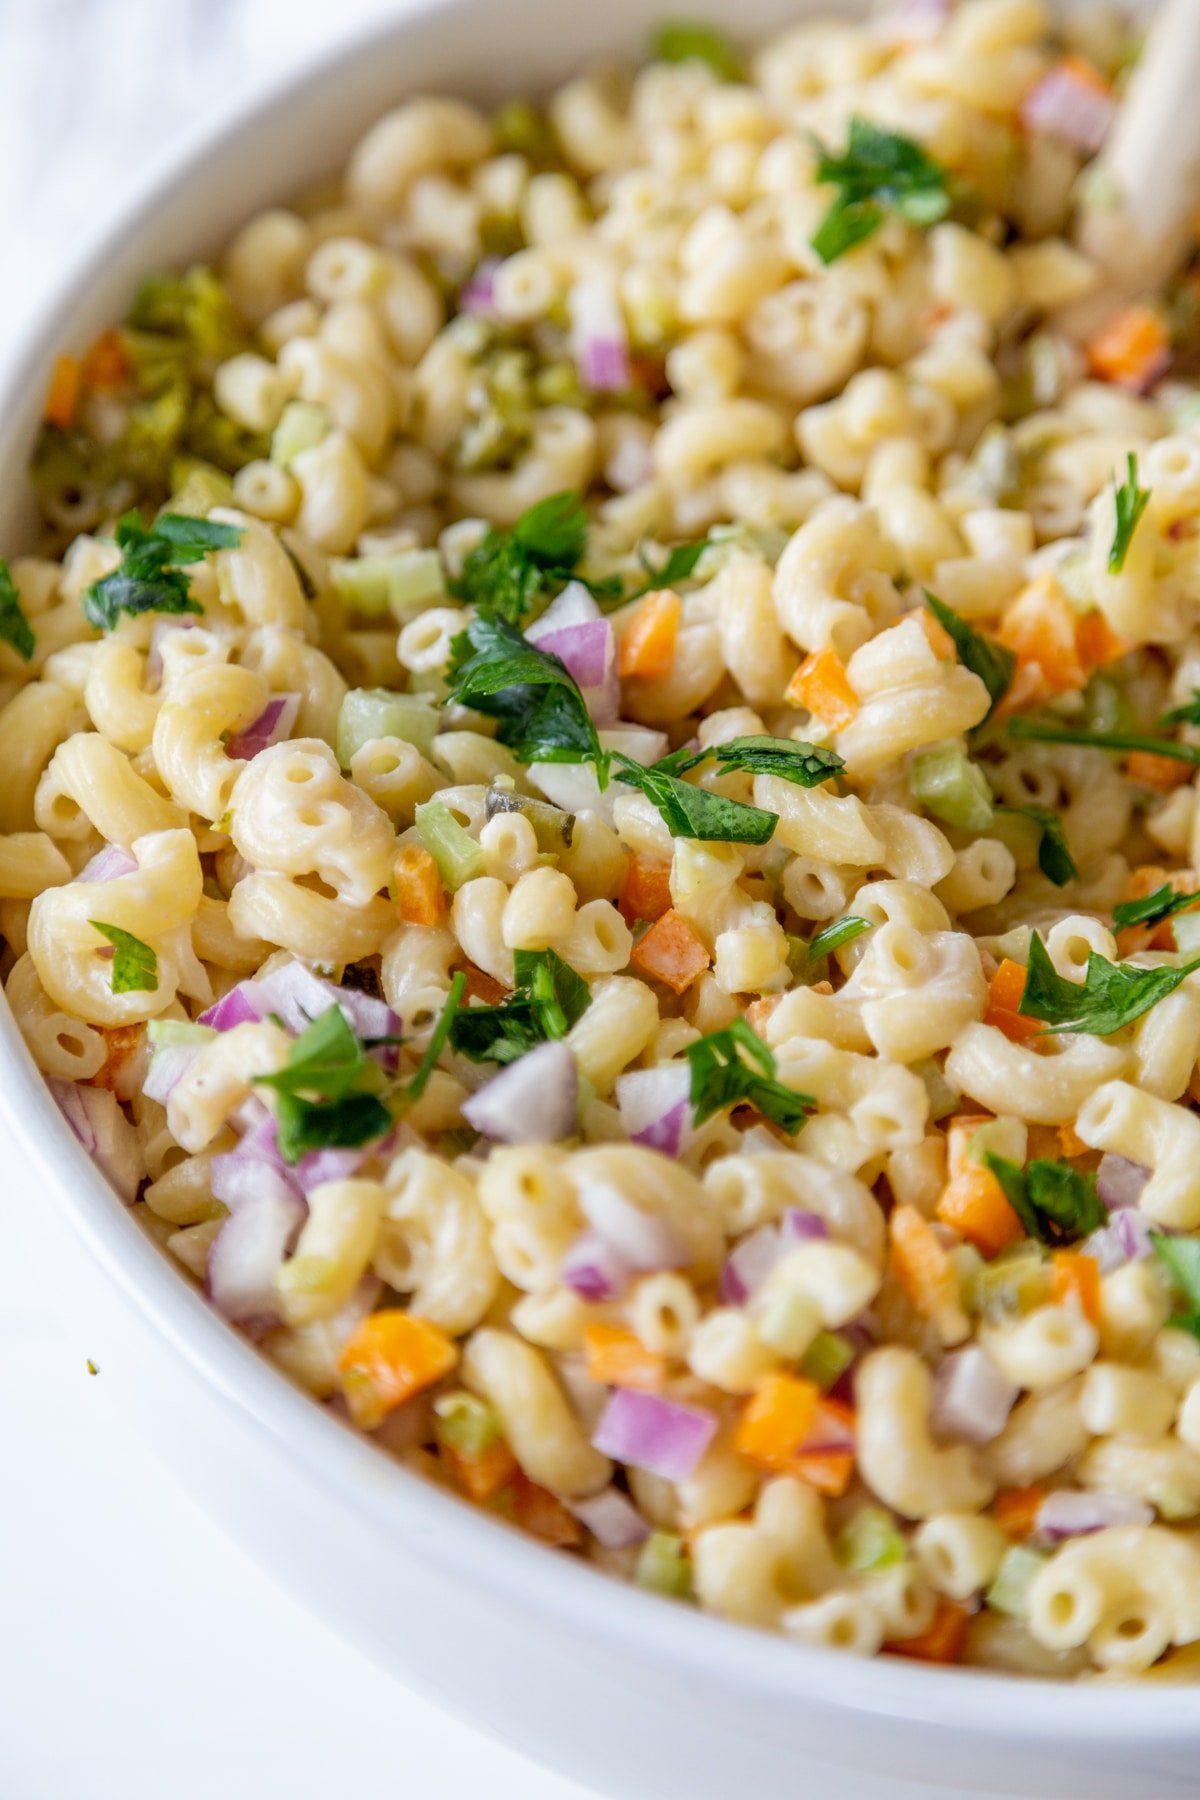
[142,1656]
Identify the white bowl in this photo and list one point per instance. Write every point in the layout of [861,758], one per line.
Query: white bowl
[630,1693]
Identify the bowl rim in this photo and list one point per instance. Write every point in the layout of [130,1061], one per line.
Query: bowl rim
[468,1544]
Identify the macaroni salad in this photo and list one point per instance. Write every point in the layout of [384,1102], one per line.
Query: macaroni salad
[600,834]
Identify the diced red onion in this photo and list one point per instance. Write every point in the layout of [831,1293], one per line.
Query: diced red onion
[242,1005]
[1066,1514]
[630,464]
[535,1100]
[573,787]
[1065,105]
[248,1252]
[327,1165]
[260,1139]
[1126,1238]
[479,293]
[294,994]
[645,1241]
[594,1270]
[654,1434]
[169,1064]
[108,864]
[574,606]
[910,21]
[829,1435]
[272,726]
[655,1108]
[804,1227]
[612,1519]
[586,649]
[641,743]
[748,1266]
[297,997]
[599,338]
[971,1398]
[94,1115]
[572,629]
[1119,1182]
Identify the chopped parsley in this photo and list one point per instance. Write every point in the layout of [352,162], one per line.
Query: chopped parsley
[831,937]
[151,577]
[414,1088]
[878,171]
[682,40]
[680,562]
[547,998]
[1180,1257]
[15,628]
[1055,1203]
[1152,907]
[1187,714]
[722,1077]
[134,964]
[509,571]
[803,764]
[694,812]
[1111,996]
[1132,502]
[541,714]
[327,1093]
[993,664]
[1054,858]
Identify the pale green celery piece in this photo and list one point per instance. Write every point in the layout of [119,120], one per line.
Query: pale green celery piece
[557,384]
[1009,1592]
[651,320]
[552,827]
[827,1357]
[488,441]
[663,1567]
[1011,1285]
[1187,933]
[173,1032]
[458,857]
[943,1099]
[998,1137]
[302,426]
[996,466]
[370,713]
[198,488]
[465,1423]
[399,583]
[726,542]
[1075,579]
[950,786]
[308,1275]
[1106,706]
[870,1541]
[789,1324]
[797,956]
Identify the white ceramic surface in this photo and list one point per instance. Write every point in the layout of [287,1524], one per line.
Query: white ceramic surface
[636,1696]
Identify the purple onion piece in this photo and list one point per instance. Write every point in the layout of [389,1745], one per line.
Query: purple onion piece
[320,1166]
[249,1250]
[272,726]
[574,606]
[243,1005]
[804,1227]
[535,1100]
[971,1398]
[748,1266]
[108,864]
[585,649]
[654,1434]
[612,1519]
[1067,1513]
[594,1270]
[1119,1182]
[169,1064]
[645,1241]
[478,295]
[655,1108]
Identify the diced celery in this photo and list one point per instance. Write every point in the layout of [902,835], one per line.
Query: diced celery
[400,583]
[943,1099]
[1005,1137]
[726,542]
[1074,578]
[870,1541]
[174,1032]
[663,1566]
[1011,1285]
[465,1423]
[797,956]
[369,713]
[557,384]
[521,128]
[1009,1592]
[787,1325]
[1106,706]
[198,487]
[457,855]
[827,1357]
[951,787]
[552,827]
[302,426]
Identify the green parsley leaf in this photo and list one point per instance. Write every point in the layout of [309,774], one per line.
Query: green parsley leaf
[1187,714]
[1054,857]
[509,571]
[831,937]
[1132,502]
[993,664]
[879,170]
[1152,907]
[803,764]
[722,1077]
[1111,996]
[547,999]
[420,1081]
[151,578]
[1055,1203]
[693,812]
[327,1060]
[328,1125]
[1180,1257]
[135,965]
[15,628]
[680,562]
[680,40]
[327,1093]
[541,712]
[1040,731]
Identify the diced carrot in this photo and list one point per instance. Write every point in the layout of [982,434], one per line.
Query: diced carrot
[390,1357]
[1070,1143]
[1004,996]
[1146,879]
[116,1072]
[1162,773]
[670,952]
[1015,1510]
[822,685]
[829,1471]
[1039,627]
[62,399]
[483,987]
[483,1475]
[943,1639]
[1097,643]
[539,1512]
[645,891]
[940,641]
[648,641]
[619,1358]
[1077,1277]
[776,1420]
[1132,939]
[1132,348]
[106,367]
[417,886]
[921,1265]
[973,1203]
